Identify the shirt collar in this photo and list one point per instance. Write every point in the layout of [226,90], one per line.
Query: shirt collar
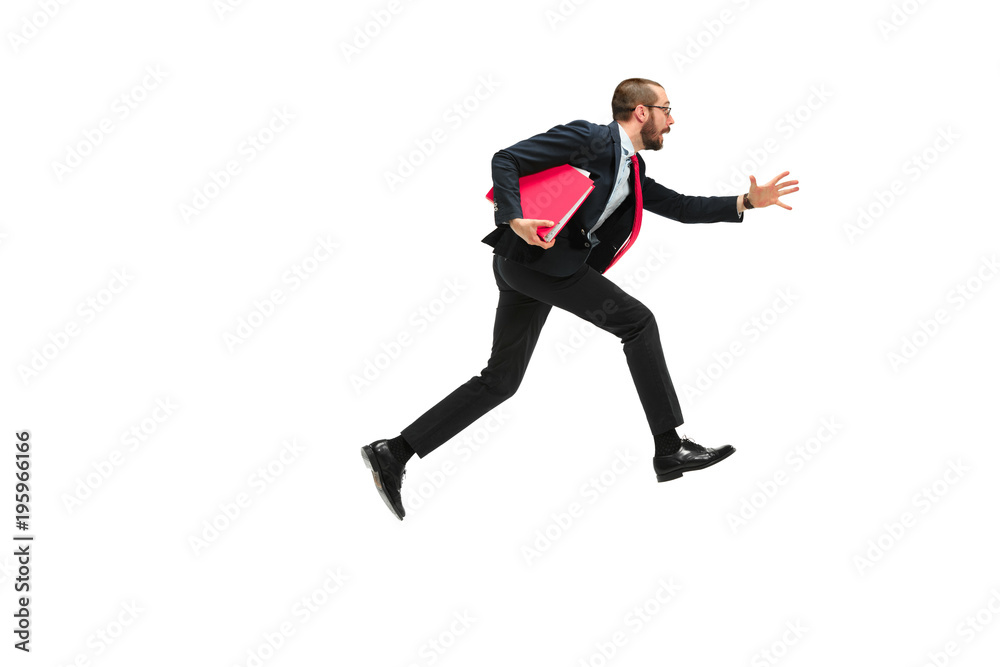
[627,146]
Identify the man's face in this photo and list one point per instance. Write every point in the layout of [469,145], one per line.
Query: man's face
[657,123]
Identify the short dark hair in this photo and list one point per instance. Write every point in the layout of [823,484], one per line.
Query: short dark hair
[629,94]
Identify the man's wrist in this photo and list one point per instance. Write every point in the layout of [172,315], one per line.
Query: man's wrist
[746,201]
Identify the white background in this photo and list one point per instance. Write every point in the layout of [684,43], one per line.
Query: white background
[845,549]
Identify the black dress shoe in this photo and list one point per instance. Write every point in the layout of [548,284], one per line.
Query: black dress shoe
[388,474]
[691,456]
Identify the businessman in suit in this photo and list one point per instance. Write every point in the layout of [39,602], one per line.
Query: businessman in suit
[533,275]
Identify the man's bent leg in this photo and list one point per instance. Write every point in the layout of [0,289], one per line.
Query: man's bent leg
[519,320]
[591,296]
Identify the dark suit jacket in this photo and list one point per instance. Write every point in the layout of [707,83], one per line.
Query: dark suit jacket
[596,148]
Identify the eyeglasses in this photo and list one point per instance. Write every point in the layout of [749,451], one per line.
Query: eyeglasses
[666,110]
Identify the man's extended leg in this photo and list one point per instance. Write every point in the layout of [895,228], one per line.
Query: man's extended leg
[519,320]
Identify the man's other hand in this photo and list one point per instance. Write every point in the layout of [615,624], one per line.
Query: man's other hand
[762,196]
[527,229]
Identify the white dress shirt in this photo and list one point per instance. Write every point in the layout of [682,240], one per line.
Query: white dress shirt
[620,191]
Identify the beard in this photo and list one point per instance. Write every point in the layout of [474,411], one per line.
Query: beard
[650,137]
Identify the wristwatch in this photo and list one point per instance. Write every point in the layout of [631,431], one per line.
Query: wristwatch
[746,201]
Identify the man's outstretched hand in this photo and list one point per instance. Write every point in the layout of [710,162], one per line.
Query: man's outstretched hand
[765,195]
[527,229]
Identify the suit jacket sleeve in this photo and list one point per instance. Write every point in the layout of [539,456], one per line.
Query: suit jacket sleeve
[684,208]
[563,144]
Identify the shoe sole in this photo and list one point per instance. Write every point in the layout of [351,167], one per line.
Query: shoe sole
[377,476]
[674,474]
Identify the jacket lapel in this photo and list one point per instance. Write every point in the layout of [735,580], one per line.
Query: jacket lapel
[616,148]
[616,140]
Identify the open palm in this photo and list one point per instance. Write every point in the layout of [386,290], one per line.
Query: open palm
[767,194]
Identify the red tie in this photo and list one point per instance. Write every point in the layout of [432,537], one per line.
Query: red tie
[637,222]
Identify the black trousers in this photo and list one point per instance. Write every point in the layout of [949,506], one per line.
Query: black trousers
[526,297]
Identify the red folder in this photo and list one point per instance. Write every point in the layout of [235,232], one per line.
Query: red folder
[554,194]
